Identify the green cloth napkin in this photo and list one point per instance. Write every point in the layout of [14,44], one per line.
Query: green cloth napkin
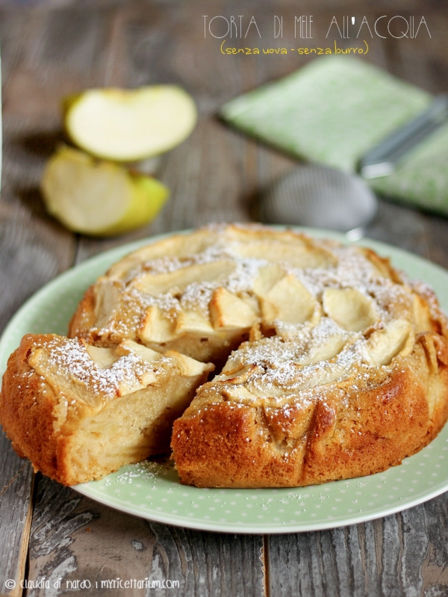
[334,110]
[421,177]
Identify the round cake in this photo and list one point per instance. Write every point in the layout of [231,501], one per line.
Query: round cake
[328,362]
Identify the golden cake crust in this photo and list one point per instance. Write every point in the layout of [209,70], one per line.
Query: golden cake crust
[24,424]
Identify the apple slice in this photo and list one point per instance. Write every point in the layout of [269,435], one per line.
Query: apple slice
[98,198]
[128,125]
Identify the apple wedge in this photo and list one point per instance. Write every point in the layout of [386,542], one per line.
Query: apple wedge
[127,125]
[98,198]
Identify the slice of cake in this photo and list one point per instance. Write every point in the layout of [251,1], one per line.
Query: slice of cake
[79,412]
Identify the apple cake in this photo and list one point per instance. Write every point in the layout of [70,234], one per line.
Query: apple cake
[329,364]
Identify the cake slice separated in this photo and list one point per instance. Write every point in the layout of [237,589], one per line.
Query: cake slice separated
[79,412]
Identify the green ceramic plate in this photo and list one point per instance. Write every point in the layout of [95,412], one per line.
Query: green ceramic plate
[152,490]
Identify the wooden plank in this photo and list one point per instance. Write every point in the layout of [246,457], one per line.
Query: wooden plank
[33,248]
[74,539]
[15,517]
[399,226]
[404,554]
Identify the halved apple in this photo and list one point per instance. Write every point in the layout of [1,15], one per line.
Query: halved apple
[96,197]
[128,125]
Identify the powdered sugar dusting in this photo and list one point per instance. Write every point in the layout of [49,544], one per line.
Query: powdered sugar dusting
[197,294]
[71,356]
[348,268]
[303,355]
[146,470]
[288,369]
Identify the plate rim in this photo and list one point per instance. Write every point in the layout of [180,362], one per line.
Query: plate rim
[265,528]
[183,521]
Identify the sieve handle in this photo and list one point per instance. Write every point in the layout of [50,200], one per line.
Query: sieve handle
[381,159]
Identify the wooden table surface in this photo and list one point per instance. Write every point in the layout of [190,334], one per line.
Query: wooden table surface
[50,49]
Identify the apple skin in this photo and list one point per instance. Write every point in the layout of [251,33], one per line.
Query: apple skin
[76,188]
[149,196]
